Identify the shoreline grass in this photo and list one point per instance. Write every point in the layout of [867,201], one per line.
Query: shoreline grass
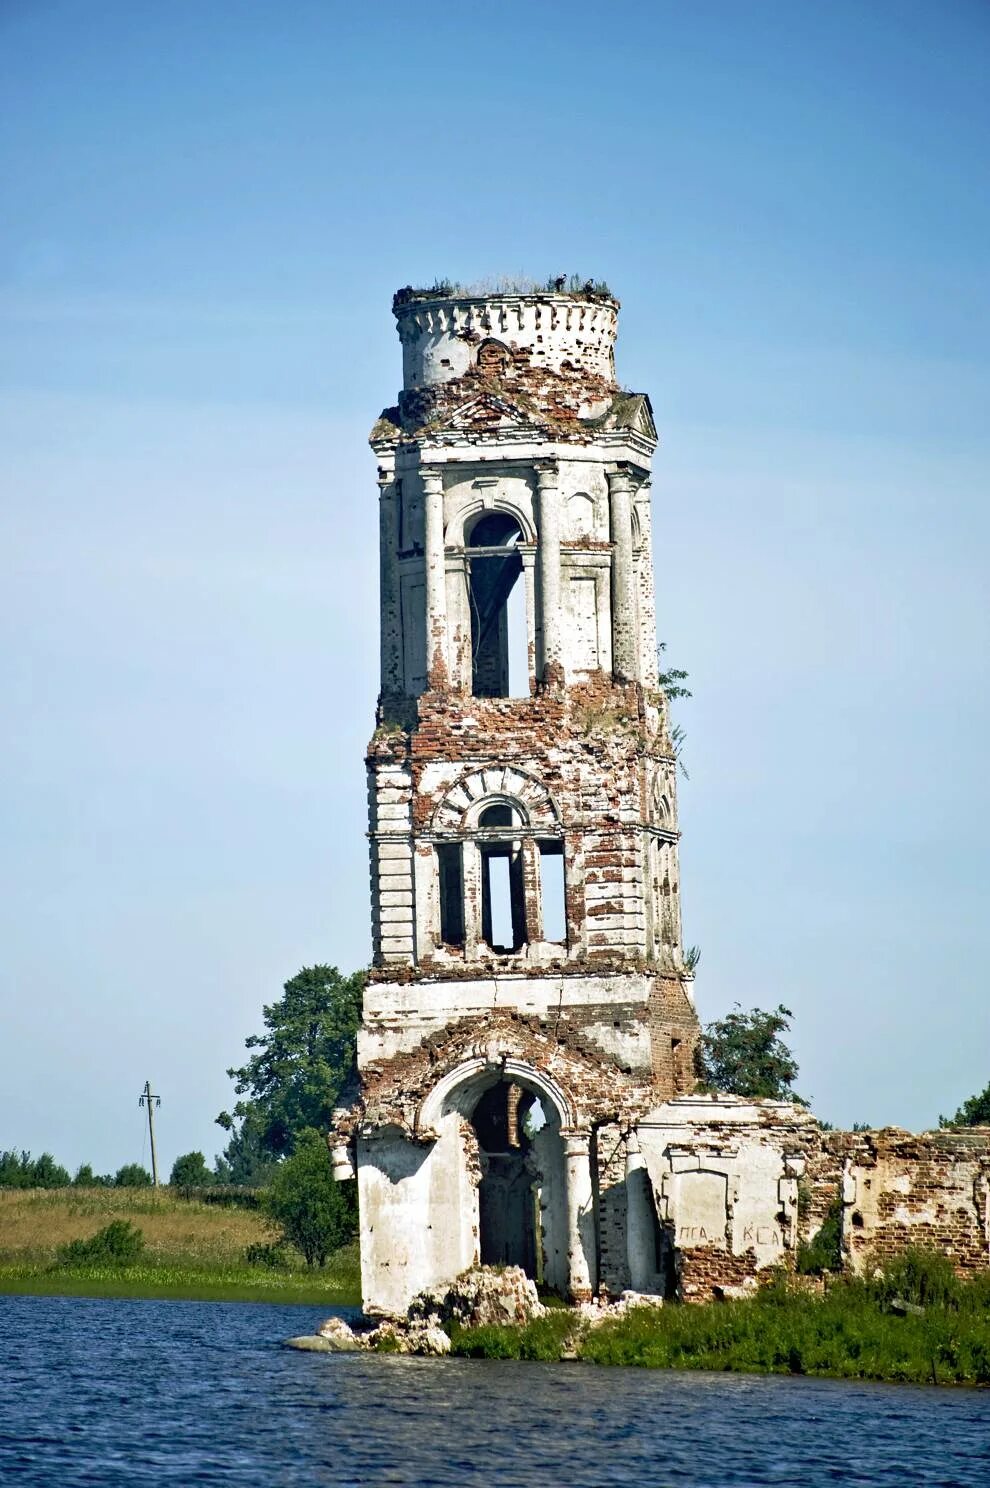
[847,1334]
[193,1251]
[338,1285]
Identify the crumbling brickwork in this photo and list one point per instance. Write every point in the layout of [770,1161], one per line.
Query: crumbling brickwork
[526,1053]
[522,787]
[739,1185]
[899,1188]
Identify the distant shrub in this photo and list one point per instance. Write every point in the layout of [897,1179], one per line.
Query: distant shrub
[132,1175]
[925,1278]
[223,1196]
[272,1257]
[119,1243]
[306,1205]
[190,1171]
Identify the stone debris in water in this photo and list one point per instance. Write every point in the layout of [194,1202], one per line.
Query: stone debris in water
[481,1297]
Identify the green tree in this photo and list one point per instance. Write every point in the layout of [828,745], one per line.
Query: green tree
[190,1171]
[244,1163]
[303,1061]
[132,1175]
[47,1173]
[86,1178]
[20,1170]
[15,1168]
[972,1112]
[305,1203]
[743,1054]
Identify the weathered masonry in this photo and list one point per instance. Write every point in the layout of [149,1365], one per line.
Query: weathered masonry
[529,984]
[526,1050]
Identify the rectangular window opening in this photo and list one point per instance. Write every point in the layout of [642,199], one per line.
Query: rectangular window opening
[517,641]
[451,893]
[499,634]
[552,892]
[503,909]
[498,902]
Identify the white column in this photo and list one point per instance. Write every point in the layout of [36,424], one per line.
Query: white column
[623,577]
[640,1234]
[548,566]
[388,558]
[471,879]
[648,664]
[529,579]
[436,580]
[580,1214]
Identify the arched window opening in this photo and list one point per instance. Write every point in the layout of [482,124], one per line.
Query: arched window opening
[552,893]
[519,1150]
[493,358]
[499,637]
[450,861]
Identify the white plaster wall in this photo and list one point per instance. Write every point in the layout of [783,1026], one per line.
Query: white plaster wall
[554,329]
[398,1017]
[470,492]
[725,1173]
[419,1215]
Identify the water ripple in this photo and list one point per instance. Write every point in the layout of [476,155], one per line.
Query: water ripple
[187,1393]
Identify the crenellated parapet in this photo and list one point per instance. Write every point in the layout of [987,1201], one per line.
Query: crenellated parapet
[441,337]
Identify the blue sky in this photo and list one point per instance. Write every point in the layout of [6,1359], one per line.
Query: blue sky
[208,206]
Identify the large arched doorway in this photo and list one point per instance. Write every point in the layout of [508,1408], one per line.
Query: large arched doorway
[508,1120]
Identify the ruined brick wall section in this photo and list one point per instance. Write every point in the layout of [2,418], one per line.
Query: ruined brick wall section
[675,1031]
[589,756]
[901,1189]
[740,1186]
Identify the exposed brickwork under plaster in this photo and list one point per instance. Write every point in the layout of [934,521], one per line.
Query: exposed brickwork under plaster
[513,446]
[739,1185]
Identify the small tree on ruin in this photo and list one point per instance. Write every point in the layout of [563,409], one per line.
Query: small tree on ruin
[743,1054]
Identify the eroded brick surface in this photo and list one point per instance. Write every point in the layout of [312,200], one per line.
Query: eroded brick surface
[527,1043]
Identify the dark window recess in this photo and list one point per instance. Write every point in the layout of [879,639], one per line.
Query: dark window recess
[552,891]
[498,661]
[451,893]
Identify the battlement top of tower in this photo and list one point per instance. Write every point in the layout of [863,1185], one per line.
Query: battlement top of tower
[565,325]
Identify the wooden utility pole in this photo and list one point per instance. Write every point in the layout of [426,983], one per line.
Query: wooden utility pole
[147,1099]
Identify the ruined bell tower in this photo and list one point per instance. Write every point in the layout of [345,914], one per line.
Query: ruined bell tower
[529,989]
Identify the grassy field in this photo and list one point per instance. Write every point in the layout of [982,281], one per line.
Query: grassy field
[192,1250]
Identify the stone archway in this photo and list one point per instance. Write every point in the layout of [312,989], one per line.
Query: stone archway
[515,1129]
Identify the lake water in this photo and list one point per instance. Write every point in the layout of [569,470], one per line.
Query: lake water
[187,1393]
